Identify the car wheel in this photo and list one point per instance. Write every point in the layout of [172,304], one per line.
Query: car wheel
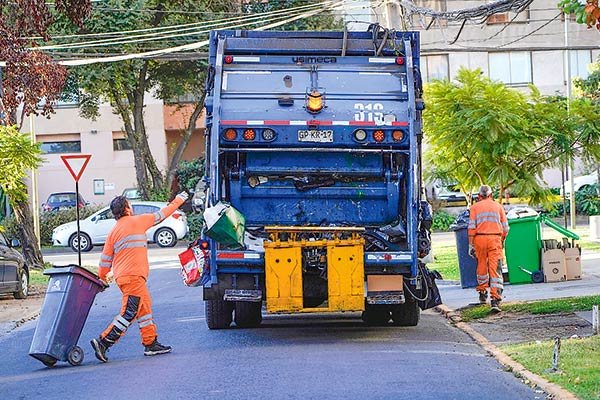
[165,237]
[23,290]
[84,242]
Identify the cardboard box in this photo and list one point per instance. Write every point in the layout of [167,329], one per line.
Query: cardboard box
[554,265]
[573,262]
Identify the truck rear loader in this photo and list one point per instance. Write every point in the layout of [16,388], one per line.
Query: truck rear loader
[315,138]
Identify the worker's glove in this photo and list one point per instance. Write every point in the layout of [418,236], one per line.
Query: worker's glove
[183,196]
[472,251]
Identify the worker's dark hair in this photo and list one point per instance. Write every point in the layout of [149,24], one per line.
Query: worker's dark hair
[118,206]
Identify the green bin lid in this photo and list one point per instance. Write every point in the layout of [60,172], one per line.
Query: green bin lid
[532,218]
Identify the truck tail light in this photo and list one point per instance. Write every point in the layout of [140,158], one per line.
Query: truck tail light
[400,60]
[379,135]
[360,135]
[228,59]
[268,134]
[230,134]
[249,134]
[314,101]
[397,135]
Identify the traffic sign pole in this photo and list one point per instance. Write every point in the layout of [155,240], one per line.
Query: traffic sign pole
[76,174]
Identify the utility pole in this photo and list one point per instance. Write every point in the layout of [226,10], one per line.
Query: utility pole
[571,162]
[34,189]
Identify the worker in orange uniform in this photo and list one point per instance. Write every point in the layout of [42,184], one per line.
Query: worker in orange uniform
[125,254]
[488,228]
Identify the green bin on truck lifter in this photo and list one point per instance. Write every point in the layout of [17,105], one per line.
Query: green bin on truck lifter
[522,247]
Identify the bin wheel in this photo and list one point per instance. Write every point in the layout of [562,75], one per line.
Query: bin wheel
[50,364]
[75,356]
[537,277]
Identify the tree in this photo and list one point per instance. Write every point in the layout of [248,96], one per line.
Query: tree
[587,13]
[125,83]
[29,77]
[481,132]
[17,156]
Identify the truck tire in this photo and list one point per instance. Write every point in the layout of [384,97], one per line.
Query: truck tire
[406,314]
[376,314]
[248,314]
[218,313]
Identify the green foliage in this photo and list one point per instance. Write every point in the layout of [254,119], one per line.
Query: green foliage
[587,200]
[159,194]
[442,221]
[17,156]
[574,7]
[49,221]
[195,225]
[482,132]
[189,173]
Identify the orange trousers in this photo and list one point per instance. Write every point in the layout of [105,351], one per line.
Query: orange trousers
[488,249]
[136,304]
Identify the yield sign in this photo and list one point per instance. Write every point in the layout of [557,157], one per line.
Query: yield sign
[76,164]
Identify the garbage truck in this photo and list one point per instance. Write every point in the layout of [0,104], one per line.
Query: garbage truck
[314,141]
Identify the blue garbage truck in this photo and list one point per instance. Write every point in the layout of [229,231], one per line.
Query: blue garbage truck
[314,139]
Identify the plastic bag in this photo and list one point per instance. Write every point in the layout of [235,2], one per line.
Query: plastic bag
[195,268]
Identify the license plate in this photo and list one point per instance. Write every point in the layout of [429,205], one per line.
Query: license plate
[314,135]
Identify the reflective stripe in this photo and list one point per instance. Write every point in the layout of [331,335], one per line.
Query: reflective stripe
[495,220]
[129,238]
[145,323]
[119,325]
[105,264]
[499,280]
[158,216]
[132,245]
[104,257]
[497,285]
[472,224]
[122,320]
[145,318]
[481,279]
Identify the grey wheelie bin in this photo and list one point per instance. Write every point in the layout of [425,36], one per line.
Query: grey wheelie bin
[69,298]
[467,265]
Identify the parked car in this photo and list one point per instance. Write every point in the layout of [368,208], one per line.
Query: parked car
[581,182]
[95,228]
[14,273]
[132,194]
[448,193]
[58,201]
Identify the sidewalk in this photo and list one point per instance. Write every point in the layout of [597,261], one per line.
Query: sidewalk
[455,297]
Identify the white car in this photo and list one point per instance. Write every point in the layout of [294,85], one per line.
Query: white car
[95,228]
[581,182]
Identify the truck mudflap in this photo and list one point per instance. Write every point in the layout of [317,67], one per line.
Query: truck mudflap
[284,271]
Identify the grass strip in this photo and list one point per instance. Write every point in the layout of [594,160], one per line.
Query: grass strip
[568,304]
[578,365]
[446,261]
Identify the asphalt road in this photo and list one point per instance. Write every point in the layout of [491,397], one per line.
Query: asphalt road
[300,357]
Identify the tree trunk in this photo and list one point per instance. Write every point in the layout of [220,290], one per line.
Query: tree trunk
[31,250]
[185,140]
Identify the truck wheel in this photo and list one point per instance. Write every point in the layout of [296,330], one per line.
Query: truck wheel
[406,314]
[218,313]
[376,314]
[248,314]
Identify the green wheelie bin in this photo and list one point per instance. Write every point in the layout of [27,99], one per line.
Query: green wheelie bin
[523,246]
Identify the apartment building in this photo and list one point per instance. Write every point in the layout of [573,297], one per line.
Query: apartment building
[111,167]
[536,46]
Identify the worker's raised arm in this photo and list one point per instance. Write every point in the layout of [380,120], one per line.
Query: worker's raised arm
[149,220]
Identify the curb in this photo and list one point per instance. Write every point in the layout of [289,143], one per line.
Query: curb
[555,391]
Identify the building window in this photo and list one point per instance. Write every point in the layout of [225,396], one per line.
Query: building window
[72,146]
[513,68]
[435,67]
[121,144]
[579,61]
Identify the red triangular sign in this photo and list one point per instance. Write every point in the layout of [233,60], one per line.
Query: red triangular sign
[76,164]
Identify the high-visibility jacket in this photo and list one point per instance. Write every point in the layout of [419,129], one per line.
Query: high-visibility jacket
[126,247]
[486,217]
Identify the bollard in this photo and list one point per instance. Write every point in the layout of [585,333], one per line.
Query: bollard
[555,357]
[595,320]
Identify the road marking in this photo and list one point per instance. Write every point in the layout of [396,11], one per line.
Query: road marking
[440,352]
[190,319]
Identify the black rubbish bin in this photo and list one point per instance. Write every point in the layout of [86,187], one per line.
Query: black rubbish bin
[467,265]
[69,298]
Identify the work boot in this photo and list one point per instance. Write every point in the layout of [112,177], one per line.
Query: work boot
[482,297]
[100,348]
[156,348]
[496,305]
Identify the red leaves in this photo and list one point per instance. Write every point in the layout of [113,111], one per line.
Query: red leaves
[592,14]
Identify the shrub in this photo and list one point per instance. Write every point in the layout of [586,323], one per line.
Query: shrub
[195,224]
[587,200]
[442,221]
